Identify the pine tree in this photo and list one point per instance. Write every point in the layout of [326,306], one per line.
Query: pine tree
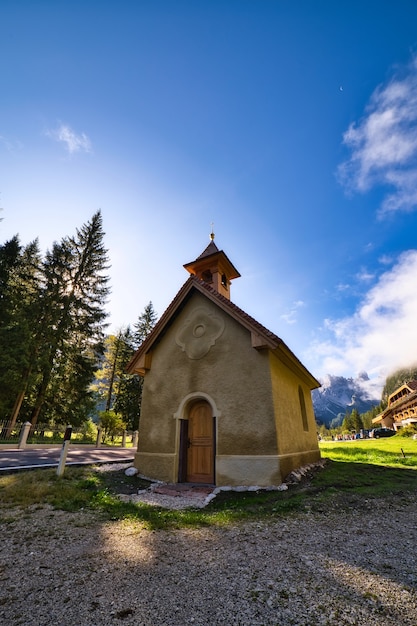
[369,415]
[357,423]
[20,285]
[347,425]
[144,325]
[129,387]
[73,299]
[9,258]
[352,421]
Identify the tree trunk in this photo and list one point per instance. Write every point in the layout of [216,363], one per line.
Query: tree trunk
[113,374]
[18,402]
[16,411]
[40,398]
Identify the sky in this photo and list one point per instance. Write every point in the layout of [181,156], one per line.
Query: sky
[290,125]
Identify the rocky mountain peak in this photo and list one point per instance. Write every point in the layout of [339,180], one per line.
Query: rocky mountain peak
[339,395]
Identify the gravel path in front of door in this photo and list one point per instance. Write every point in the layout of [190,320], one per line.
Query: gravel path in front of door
[178,496]
[173,496]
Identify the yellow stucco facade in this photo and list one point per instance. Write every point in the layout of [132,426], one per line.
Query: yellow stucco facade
[206,349]
[297,443]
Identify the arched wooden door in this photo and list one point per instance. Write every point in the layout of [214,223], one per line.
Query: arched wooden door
[200,444]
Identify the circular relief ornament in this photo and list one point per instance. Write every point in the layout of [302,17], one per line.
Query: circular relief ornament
[199,332]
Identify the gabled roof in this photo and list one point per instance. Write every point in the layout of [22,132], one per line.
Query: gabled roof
[402,391]
[396,404]
[262,338]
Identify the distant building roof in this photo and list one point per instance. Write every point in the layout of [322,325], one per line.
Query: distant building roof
[400,400]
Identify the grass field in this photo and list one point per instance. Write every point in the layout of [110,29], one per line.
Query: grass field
[385,468]
[390,452]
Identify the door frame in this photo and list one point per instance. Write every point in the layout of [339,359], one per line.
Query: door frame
[182,416]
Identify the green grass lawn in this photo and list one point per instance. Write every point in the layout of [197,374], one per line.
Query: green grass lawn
[389,452]
[356,471]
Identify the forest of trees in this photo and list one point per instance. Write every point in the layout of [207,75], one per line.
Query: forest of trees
[58,365]
[115,390]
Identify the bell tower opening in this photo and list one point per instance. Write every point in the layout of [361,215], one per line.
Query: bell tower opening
[214,267]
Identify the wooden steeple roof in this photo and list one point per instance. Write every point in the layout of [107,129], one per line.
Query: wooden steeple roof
[215,268]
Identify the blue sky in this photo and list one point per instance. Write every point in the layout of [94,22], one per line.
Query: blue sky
[292,125]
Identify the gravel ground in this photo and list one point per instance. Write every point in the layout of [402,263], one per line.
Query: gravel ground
[349,565]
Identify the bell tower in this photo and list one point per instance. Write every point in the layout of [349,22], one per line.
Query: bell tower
[214,267]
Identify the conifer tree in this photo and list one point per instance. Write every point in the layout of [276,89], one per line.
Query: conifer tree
[73,300]
[20,285]
[128,387]
[144,325]
[357,423]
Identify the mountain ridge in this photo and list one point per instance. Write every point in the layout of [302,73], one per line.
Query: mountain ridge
[338,396]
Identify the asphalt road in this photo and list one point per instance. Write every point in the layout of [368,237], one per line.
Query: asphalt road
[14,459]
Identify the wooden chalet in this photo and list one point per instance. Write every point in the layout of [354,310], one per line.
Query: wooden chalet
[402,408]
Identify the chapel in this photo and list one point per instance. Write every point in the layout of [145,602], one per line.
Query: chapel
[225,401]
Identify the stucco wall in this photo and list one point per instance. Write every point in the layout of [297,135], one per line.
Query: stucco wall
[234,374]
[247,470]
[156,466]
[296,446]
[231,372]
[260,435]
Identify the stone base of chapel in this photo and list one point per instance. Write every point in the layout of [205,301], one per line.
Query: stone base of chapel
[247,470]
[290,462]
[157,466]
[231,470]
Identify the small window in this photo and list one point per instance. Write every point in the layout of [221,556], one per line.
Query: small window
[303,408]
[224,281]
[207,276]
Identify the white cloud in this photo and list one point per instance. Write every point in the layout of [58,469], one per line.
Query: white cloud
[364,275]
[383,143]
[341,287]
[73,142]
[385,259]
[381,335]
[291,316]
